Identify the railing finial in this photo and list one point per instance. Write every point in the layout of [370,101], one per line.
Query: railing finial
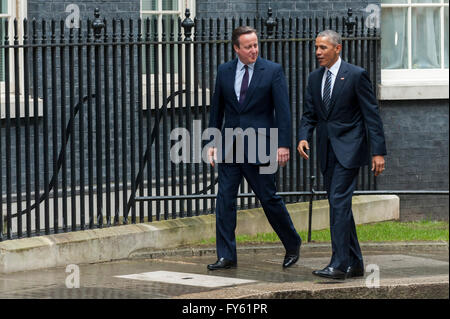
[98,24]
[270,22]
[350,21]
[187,25]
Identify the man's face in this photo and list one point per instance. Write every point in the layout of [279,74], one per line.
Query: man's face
[248,48]
[327,53]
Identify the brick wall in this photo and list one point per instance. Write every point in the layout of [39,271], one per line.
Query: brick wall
[281,8]
[417,141]
[56,9]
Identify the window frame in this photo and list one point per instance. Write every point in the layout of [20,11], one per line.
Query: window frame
[160,12]
[182,6]
[20,13]
[409,83]
[10,15]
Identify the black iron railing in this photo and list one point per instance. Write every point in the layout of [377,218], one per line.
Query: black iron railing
[87,115]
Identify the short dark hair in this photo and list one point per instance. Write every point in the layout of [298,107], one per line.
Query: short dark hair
[240,31]
[332,35]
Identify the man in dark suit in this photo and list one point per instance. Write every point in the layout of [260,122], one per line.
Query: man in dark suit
[250,94]
[340,103]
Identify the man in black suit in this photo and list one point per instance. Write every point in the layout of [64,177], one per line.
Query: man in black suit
[340,103]
[251,95]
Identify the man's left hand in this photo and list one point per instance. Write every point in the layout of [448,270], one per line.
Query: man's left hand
[283,156]
[377,164]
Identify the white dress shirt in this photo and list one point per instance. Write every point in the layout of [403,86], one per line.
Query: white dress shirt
[240,71]
[334,71]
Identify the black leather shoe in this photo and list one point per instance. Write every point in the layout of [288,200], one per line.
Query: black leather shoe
[355,271]
[291,258]
[330,272]
[222,263]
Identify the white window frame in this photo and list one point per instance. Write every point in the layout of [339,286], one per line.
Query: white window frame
[10,15]
[411,84]
[182,5]
[16,9]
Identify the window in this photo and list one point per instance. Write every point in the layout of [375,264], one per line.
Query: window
[414,49]
[5,14]
[9,10]
[164,11]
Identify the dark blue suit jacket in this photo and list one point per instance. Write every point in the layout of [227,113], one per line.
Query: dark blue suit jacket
[353,110]
[266,104]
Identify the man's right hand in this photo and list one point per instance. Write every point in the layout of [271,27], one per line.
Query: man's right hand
[301,148]
[212,155]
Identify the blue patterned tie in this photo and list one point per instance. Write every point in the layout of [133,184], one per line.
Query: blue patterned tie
[327,91]
[244,86]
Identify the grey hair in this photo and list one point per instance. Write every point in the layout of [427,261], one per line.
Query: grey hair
[332,35]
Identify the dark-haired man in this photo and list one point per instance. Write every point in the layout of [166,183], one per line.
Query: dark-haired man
[340,103]
[250,94]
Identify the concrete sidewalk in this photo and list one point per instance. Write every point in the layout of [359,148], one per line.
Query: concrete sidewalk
[393,270]
[119,242]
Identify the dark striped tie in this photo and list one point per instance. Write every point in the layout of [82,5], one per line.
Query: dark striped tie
[327,91]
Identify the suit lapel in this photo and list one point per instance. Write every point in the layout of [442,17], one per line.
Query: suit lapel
[256,77]
[319,92]
[338,85]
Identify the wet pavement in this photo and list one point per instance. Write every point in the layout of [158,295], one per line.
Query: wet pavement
[418,270]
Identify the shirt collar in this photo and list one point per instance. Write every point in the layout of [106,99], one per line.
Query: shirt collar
[240,65]
[335,67]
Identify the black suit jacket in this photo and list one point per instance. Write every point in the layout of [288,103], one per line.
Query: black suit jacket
[353,110]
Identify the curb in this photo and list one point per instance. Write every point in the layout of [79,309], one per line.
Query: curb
[306,247]
[430,287]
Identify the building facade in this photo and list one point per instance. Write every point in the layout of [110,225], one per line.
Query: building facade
[413,88]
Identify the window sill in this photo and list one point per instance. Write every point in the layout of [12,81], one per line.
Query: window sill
[414,84]
[413,91]
[12,103]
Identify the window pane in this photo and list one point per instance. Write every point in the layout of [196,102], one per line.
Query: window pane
[3,9]
[165,19]
[170,5]
[152,18]
[426,38]
[394,43]
[426,1]
[394,1]
[2,51]
[4,6]
[149,4]
[446,37]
